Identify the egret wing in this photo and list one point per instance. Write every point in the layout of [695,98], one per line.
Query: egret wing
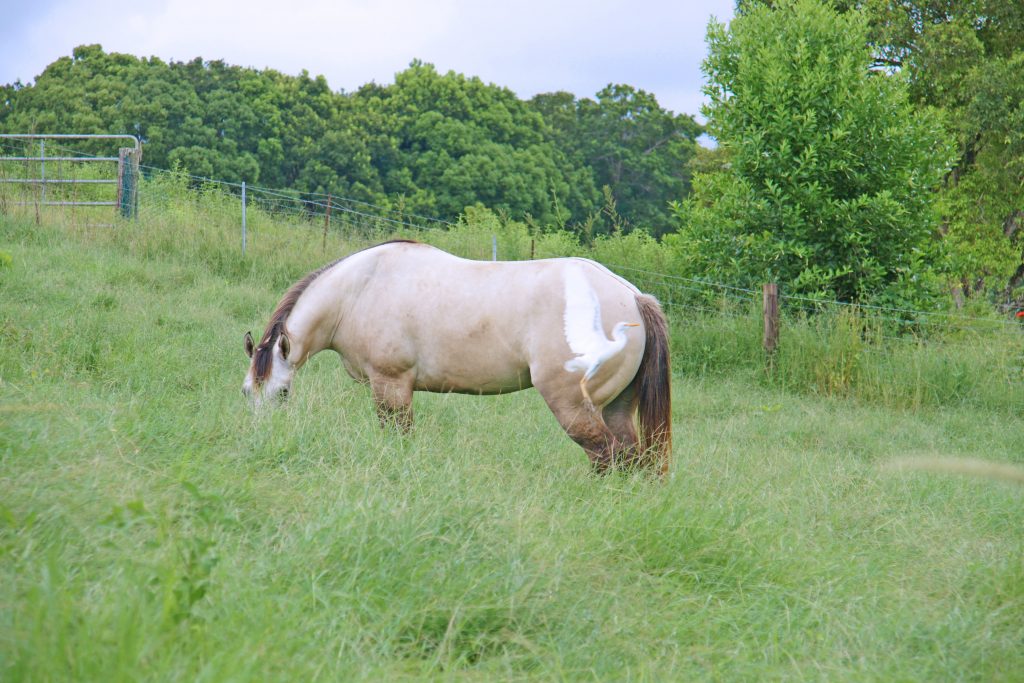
[582,320]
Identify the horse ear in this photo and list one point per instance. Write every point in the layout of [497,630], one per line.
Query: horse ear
[286,346]
[249,346]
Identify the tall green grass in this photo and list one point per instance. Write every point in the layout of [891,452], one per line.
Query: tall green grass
[846,354]
[153,528]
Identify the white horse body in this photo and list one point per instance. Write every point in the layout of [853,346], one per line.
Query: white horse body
[407,317]
[457,325]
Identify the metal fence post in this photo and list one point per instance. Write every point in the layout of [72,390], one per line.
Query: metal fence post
[41,197]
[42,171]
[243,218]
[136,175]
[128,182]
[122,204]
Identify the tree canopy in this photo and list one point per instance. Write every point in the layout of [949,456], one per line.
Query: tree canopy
[633,146]
[864,145]
[964,58]
[432,143]
[831,170]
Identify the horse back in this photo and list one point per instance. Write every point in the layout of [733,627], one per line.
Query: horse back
[470,326]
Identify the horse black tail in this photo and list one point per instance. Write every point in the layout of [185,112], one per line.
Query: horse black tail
[654,395]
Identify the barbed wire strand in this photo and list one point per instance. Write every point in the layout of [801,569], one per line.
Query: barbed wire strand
[286,200]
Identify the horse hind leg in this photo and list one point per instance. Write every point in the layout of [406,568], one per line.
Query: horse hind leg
[580,420]
[619,416]
[589,431]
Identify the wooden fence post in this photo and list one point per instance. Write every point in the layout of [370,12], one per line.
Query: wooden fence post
[327,222]
[770,299]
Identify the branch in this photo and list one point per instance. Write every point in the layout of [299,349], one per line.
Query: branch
[886,61]
[659,143]
[967,159]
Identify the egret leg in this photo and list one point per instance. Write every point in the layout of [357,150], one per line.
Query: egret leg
[583,385]
[586,394]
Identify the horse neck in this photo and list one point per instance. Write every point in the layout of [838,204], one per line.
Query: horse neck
[314,320]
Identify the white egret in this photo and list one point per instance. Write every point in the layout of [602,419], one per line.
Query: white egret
[584,331]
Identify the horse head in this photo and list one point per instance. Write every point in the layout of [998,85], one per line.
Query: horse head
[270,370]
[272,363]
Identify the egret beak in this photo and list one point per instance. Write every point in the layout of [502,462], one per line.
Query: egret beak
[632,324]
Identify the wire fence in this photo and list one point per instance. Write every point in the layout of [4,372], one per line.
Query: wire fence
[682,297]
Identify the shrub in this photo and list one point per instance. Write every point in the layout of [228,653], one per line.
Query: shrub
[829,186]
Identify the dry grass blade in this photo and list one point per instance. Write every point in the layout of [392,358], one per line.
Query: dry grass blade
[970,466]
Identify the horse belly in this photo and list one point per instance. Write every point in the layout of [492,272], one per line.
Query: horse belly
[468,375]
[470,341]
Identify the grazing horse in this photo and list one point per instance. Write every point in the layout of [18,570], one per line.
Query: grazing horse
[405,317]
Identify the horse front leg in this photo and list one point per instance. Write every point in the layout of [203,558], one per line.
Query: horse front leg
[392,396]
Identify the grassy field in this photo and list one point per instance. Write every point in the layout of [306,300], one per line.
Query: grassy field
[153,528]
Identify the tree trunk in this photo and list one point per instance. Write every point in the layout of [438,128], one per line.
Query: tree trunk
[1012,230]
[1012,224]
[1015,281]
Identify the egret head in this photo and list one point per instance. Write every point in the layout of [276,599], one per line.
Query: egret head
[619,332]
[270,371]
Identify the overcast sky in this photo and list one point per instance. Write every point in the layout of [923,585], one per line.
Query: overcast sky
[530,46]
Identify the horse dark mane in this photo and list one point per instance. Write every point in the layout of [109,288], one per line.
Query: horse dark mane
[263,354]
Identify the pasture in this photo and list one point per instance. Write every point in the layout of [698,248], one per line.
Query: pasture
[154,528]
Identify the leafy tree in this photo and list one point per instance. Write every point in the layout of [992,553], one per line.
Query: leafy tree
[964,57]
[984,199]
[454,141]
[634,147]
[195,114]
[429,143]
[831,173]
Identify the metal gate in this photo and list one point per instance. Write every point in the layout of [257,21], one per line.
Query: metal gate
[30,176]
